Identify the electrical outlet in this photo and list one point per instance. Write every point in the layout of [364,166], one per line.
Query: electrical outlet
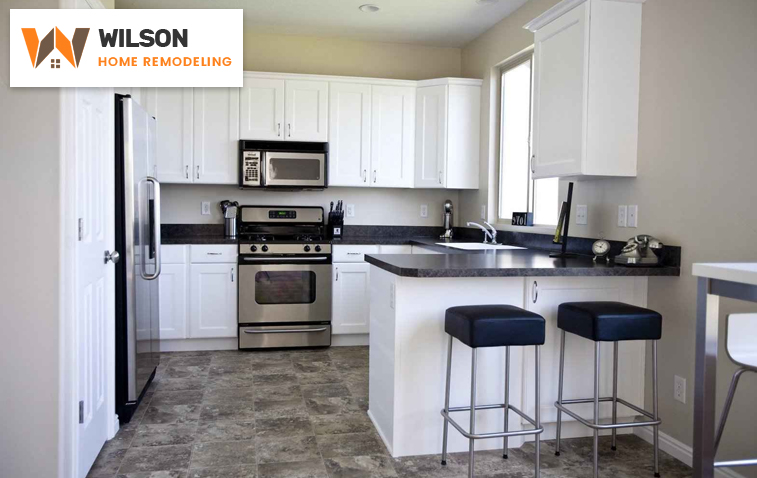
[679,389]
[633,216]
[205,208]
[582,215]
[483,212]
[349,210]
[622,216]
[424,210]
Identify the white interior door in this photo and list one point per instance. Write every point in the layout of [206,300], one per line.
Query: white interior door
[95,294]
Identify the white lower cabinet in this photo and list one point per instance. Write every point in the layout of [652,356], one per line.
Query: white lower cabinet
[351,289]
[213,300]
[173,301]
[198,292]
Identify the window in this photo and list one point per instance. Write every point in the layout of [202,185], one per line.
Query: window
[518,192]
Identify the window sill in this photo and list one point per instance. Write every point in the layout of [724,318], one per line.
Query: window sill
[550,230]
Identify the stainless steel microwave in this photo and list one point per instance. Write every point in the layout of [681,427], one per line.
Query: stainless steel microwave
[283,164]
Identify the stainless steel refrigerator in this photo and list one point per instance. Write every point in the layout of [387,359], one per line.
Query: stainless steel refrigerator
[138,240]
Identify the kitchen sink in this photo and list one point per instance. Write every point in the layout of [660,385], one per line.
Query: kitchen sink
[476,246]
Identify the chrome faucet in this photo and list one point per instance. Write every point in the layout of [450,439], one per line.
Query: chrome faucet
[493,232]
[487,234]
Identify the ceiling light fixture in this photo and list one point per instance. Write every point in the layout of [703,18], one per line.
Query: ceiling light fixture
[369,8]
[486,2]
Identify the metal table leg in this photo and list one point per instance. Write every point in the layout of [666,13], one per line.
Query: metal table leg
[704,384]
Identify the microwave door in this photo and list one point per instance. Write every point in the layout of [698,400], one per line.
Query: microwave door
[295,169]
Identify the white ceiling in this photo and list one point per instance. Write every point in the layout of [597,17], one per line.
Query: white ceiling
[451,23]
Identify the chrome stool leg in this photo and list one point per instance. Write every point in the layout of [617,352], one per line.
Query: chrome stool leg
[614,395]
[472,412]
[537,412]
[596,408]
[727,405]
[655,411]
[507,399]
[446,401]
[559,391]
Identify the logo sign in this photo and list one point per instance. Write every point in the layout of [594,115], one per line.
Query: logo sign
[126,48]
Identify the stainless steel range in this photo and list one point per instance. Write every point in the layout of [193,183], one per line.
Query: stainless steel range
[284,278]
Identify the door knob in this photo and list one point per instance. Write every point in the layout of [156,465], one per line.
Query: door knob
[113,257]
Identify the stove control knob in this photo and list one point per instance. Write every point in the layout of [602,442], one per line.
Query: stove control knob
[307,248]
[317,248]
[254,248]
[265,248]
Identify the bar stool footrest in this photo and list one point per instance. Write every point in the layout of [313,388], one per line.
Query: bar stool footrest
[478,436]
[609,426]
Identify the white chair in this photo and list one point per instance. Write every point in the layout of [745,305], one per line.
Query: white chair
[741,347]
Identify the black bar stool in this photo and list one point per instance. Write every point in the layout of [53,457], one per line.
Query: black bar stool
[608,322]
[492,326]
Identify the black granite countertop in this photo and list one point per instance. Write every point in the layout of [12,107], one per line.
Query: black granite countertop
[504,263]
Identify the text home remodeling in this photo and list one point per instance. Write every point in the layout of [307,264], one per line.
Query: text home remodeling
[122,37]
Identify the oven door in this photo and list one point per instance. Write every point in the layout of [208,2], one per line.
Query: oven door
[280,293]
[306,170]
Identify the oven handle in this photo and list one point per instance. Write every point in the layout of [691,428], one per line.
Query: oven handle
[284,331]
[271,259]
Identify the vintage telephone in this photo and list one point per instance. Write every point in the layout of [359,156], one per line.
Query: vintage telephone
[641,250]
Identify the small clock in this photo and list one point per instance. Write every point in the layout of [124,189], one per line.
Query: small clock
[601,250]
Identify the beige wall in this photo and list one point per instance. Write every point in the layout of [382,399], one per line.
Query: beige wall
[29,285]
[340,56]
[697,166]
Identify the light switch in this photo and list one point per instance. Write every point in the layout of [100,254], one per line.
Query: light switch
[633,216]
[582,215]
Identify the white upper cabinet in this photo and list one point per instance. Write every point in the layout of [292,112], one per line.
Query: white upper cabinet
[216,135]
[349,134]
[392,136]
[306,110]
[447,134]
[172,109]
[262,109]
[586,89]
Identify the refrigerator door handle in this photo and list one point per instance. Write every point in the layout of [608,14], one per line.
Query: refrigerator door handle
[155,231]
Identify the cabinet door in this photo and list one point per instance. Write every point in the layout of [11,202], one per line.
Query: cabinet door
[560,85]
[351,298]
[306,110]
[431,136]
[172,108]
[213,296]
[349,134]
[216,135]
[544,295]
[173,301]
[392,136]
[261,109]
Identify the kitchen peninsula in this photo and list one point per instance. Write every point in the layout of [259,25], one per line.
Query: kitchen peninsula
[409,296]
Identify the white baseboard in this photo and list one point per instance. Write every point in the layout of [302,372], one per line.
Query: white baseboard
[349,340]
[192,345]
[381,435]
[679,450]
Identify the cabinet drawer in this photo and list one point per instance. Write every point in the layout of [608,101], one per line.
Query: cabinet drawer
[284,336]
[353,253]
[173,254]
[213,253]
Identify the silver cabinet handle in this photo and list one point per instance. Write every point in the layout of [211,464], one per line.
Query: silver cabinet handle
[232,274]
[337,274]
[278,130]
[283,331]
[214,253]
[186,171]
[365,175]
[535,292]
[533,158]
[289,125]
[374,176]
[198,171]
[113,257]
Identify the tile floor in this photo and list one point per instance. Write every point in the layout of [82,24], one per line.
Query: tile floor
[302,414]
